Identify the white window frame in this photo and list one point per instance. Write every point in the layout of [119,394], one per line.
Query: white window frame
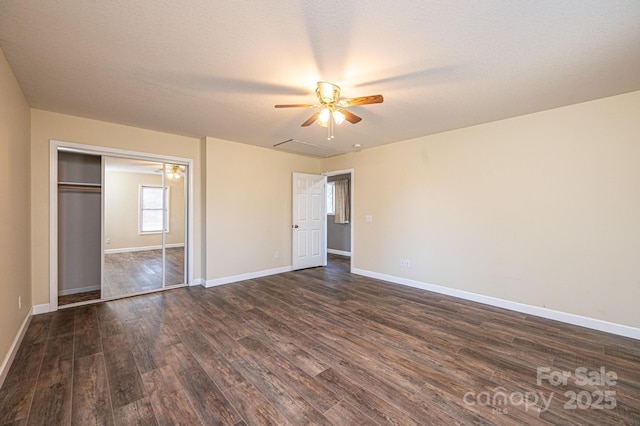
[141,209]
[331,205]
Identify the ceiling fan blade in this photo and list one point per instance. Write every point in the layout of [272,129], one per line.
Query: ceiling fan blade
[296,106]
[363,100]
[349,116]
[311,120]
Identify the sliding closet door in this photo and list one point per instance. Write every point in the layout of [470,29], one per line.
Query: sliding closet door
[176,178]
[134,219]
[144,226]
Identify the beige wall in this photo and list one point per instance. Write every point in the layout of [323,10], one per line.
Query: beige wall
[47,125]
[15,257]
[122,201]
[248,207]
[542,209]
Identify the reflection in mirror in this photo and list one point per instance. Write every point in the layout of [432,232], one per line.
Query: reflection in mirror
[140,216]
[175,180]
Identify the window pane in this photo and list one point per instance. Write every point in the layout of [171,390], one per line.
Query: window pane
[151,221]
[151,198]
[330,198]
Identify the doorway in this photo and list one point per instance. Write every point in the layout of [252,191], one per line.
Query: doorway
[340,190]
[141,223]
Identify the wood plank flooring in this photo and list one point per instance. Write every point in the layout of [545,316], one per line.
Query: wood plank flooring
[318,346]
[134,272]
[79,297]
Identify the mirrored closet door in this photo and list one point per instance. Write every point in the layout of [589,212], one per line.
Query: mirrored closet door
[144,226]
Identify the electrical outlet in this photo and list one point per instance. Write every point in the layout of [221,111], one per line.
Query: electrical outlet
[108,240]
[368,218]
[19,302]
[404,263]
[276,254]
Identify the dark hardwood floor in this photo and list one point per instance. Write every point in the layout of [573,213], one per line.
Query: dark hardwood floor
[79,297]
[318,346]
[134,272]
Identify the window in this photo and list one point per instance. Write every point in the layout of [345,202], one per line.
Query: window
[331,199]
[151,209]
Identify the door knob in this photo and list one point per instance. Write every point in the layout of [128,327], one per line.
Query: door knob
[295,226]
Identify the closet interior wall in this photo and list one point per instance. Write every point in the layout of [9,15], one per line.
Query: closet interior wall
[79,222]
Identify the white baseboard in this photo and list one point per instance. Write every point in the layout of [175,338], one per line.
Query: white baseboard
[248,276]
[145,248]
[40,309]
[340,252]
[78,290]
[8,359]
[198,281]
[592,323]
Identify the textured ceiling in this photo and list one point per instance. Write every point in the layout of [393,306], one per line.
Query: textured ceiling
[216,68]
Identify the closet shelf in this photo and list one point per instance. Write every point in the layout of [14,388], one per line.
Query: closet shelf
[96,185]
[79,185]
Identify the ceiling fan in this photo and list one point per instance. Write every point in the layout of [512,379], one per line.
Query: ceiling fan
[333,108]
[172,171]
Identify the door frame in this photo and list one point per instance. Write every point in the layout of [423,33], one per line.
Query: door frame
[351,207]
[112,152]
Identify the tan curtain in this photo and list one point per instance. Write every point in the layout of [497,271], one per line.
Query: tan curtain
[341,194]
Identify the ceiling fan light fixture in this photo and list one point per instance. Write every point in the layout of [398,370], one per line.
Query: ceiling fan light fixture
[324,116]
[338,116]
[328,93]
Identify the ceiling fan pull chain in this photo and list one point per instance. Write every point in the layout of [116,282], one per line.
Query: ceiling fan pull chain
[333,123]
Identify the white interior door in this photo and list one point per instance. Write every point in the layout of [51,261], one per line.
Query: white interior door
[309,226]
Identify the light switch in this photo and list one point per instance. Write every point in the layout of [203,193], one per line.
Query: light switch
[368,218]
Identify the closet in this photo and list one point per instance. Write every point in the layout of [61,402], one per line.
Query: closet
[79,225]
[121,225]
